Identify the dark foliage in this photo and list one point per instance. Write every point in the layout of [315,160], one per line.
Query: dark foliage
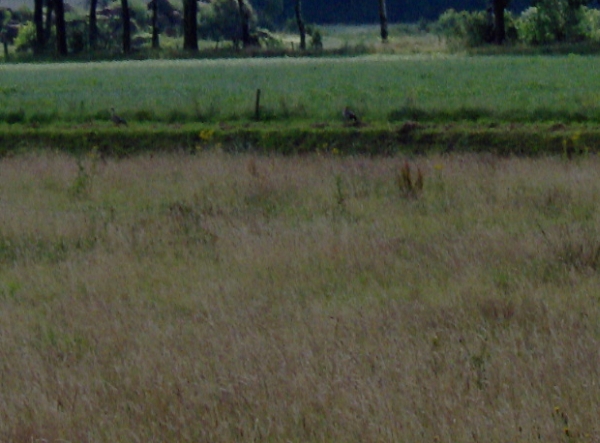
[366,11]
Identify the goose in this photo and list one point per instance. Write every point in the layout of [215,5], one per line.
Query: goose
[116,119]
[350,116]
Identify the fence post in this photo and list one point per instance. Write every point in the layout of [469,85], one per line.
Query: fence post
[257,106]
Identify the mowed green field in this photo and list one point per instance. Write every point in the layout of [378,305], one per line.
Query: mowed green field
[312,89]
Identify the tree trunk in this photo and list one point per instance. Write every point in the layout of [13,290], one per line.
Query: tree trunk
[61,28]
[126,26]
[154,7]
[190,25]
[383,20]
[245,21]
[48,26]
[499,25]
[301,27]
[38,19]
[93,32]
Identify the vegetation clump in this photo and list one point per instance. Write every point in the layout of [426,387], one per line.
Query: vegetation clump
[409,186]
[546,22]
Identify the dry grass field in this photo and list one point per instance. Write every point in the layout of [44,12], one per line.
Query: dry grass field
[221,298]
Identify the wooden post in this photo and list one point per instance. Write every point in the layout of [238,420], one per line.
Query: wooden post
[257,106]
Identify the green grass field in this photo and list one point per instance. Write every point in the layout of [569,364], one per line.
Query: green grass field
[219,298]
[379,87]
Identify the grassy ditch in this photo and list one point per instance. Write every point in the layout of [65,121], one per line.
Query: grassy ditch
[337,138]
[219,297]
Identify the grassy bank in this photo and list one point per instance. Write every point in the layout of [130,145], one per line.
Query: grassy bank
[239,297]
[409,137]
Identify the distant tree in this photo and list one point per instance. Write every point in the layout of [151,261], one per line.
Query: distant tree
[93,28]
[244,23]
[300,22]
[190,25]
[48,19]
[61,27]
[126,18]
[153,6]
[38,19]
[5,17]
[4,43]
[499,7]
[383,20]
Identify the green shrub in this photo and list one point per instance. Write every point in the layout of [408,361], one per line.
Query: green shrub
[25,40]
[76,34]
[590,23]
[139,13]
[472,29]
[558,21]
[466,28]
[220,20]
[316,39]
[268,39]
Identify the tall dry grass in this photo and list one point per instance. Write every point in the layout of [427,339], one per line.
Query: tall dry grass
[246,298]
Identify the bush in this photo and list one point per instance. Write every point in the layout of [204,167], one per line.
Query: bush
[139,13]
[558,21]
[77,32]
[590,23]
[268,39]
[472,29]
[466,28]
[316,39]
[220,20]
[76,35]
[25,40]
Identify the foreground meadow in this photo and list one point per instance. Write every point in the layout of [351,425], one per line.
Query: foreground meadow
[225,298]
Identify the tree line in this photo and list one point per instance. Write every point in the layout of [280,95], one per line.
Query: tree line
[236,20]
[239,19]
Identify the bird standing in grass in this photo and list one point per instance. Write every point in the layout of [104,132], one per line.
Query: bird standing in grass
[350,116]
[116,119]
